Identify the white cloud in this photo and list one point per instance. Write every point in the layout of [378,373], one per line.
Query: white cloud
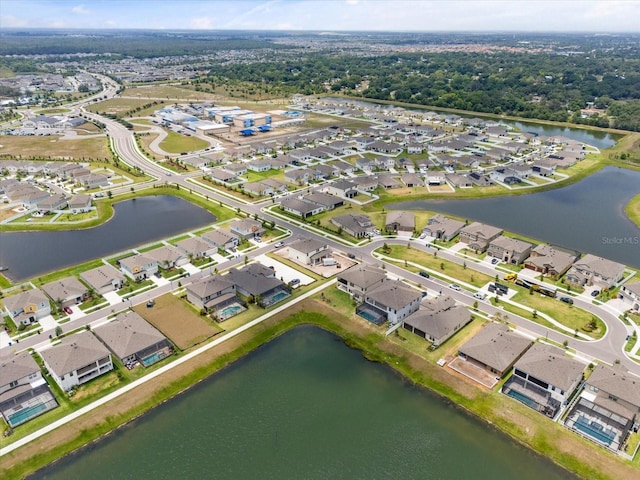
[201,23]
[80,10]
[9,21]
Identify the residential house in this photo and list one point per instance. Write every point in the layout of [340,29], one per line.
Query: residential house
[52,203]
[343,167]
[27,307]
[325,200]
[479,235]
[237,168]
[24,394]
[133,340]
[365,164]
[342,188]
[221,175]
[544,378]
[80,203]
[168,256]
[495,348]
[360,279]
[94,180]
[221,239]
[509,250]
[247,228]
[608,407]
[365,183]
[276,185]
[77,359]
[139,266]
[400,221]
[259,165]
[364,142]
[437,320]
[443,228]
[66,292]
[308,251]
[195,247]
[355,225]
[458,181]
[212,293]
[435,177]
[592,270]
[104,279]
[412,180]
[258,282]
[300,207]
[480,179]
[629,293]
[549,261]
[299,176]
[393,301]
[389,181]
[260,189]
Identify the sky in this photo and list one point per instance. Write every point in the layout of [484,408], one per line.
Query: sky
[327,15]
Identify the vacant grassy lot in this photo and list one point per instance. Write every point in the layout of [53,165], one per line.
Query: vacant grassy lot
[53,147]
[117,106]
[168,92]
[436,263]
[176,143]
[183,326]
[568,315]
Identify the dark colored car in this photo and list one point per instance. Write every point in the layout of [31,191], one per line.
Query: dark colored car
[351,255]
[68,310]
[566,300]
[494,261]
[595,293]
[424,274]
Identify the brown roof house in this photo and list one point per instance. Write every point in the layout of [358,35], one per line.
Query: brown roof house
[24,394]
[608,406]
[494,348]
[437,320]
[27,307]
[544,378]
[77,359]
[443,228]
[212,293]
[398,221]
[598,271]
[360,279]
[139,266]
[393,301]
[260,283]
[104,279]
[66,292]
[355,225]
[509,250]
[247,228]
[479,235]
[168,256]
[132,339]
[549,261]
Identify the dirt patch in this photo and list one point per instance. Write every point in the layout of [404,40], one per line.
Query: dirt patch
[178,322]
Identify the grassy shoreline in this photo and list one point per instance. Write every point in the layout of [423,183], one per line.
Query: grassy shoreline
[632,210]
[545,437]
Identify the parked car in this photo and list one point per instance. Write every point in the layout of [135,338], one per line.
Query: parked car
[566,300]
[279,244]
[455,286]
[479,295]
[295,282]
[68,310]
[595,293]
[351,255]
[424,274]
[494,261]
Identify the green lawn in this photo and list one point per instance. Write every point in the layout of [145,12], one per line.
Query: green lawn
[454,270]
[568,315]
[134,287]
[176,143]
[272,173]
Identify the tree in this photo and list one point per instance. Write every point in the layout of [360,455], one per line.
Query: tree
[534,314]
[441,265]
[109,194]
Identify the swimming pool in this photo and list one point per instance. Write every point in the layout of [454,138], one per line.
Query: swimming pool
[153,358]
[373,318]
[595,430]
[277,297]
[27,414]
[230,311]
[523,399]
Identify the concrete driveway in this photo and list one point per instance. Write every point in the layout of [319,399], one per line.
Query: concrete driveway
[284,272]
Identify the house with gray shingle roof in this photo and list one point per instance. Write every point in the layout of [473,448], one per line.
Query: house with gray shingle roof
[132,339]
[195,247]
[80,203]
[479,235]
[361,279]
[608,406]
[221,239]
[593,270]
[549,260]
[300,207]
[104,279]
[77,359]
[139,266]
[494,348]
[68,291]
[629,293]
[443,228]
[255,280]
[27,307]
[212,292]
[168,256]
[24,394]
[437,320]
[395,299]
[546,377]
[355,225]
[247,228]
[308,251]
[509,250]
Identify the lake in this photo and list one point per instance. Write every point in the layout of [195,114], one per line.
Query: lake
[587,216]
[305,406]
[135,222]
